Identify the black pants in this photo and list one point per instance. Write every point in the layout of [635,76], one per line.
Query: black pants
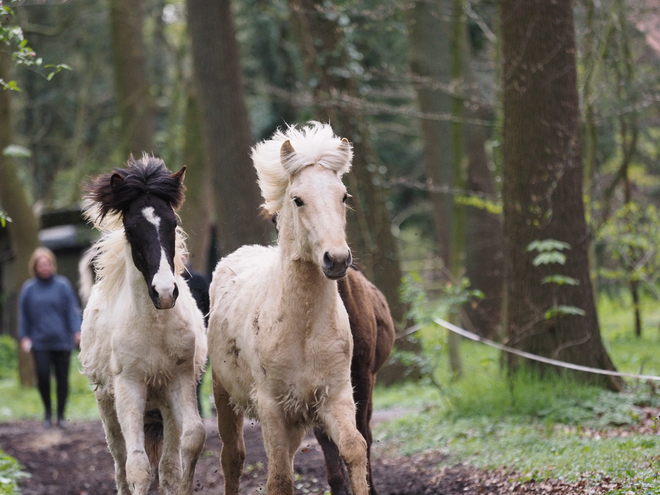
[43,362]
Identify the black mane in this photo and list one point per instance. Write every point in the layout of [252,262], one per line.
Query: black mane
[114,191]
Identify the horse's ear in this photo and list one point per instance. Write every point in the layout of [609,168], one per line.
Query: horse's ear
[286,151]
[345,147]
[115,180]
[179,176]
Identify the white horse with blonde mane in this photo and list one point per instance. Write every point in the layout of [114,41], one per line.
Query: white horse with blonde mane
[143,343]
[280,343]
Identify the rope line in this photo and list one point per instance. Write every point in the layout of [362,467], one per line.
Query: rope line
[554,362]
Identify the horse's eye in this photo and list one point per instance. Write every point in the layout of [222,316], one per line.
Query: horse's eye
[298,201]
[345,198]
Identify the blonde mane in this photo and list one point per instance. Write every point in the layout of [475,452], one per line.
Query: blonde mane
[315,143]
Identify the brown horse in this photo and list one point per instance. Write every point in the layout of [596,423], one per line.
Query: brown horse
[373,337]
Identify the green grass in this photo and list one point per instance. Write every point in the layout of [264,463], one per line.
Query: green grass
[24,402]
[535,450]
[533,426]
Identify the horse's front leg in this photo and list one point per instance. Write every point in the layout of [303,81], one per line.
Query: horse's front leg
[338,418]
[333,463]
[230,428]
[115,440]
[169,467]
[281,440]
[183,406]
[130,401]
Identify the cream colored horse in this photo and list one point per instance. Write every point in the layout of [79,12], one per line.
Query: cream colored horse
[280,343]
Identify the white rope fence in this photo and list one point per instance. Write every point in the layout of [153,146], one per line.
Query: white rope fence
[554,362]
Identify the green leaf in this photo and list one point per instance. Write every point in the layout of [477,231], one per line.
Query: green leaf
[547,245]
[17,151]
[563,310]
[12,86]
[559,280]
[545,258]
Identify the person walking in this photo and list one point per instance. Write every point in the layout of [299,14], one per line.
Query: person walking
[49,321]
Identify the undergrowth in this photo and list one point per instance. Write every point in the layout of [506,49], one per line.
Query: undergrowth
[553,427]
[10,473]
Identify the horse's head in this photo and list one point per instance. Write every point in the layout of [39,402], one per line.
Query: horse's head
[145,196]
[304,187]
[316,203]
[150,226]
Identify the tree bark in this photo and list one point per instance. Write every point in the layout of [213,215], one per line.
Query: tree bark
[131,80]
[484,239]
[543,187]
[196,211]
[369,229]
[227,139]
[24,227]
[429,34]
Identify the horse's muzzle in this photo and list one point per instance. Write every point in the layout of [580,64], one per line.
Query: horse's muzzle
[165,300]
[335,265]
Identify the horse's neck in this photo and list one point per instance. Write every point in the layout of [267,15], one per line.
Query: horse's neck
[307,292]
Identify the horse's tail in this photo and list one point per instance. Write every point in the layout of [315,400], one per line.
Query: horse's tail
[87,275]
[153,435]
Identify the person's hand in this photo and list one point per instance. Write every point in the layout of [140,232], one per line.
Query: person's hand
[26,344]
[76,339]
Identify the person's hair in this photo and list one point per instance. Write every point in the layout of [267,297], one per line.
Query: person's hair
[41,252]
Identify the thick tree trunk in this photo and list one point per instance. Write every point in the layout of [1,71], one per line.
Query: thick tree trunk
[196,211]
[369,232]
[227,139]
[131,82]
[543,186]
[24,228]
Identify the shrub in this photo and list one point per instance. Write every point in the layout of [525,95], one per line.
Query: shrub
[8,358]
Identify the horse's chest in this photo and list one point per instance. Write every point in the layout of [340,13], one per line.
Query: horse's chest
[153,357]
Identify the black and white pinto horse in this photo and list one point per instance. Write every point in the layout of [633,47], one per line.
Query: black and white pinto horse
[143,341]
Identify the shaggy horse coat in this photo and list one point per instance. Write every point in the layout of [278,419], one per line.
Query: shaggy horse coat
[280,343]
[143,343]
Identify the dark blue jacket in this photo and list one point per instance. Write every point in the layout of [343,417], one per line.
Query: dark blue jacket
[49,313]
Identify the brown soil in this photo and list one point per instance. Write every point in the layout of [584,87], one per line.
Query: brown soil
[76,461]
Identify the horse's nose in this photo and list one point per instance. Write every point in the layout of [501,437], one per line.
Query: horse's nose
[167,298]
[335,264]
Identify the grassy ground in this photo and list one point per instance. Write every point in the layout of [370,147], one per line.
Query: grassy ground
[537,428]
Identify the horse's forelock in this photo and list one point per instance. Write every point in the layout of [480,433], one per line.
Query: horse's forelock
[113,192]
[314,143]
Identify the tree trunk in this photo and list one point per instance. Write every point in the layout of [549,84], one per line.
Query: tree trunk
[196,211]
[24,228]
[543,187]
[131,82]
[484,240]
[429,34]
[227,139]
[369,229]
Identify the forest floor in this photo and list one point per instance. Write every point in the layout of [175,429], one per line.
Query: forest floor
[76,461]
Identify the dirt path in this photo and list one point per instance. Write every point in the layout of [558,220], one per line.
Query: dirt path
[76,461]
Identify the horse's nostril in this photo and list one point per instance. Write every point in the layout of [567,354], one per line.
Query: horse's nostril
[349,260]
[328,262]
[176,292]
